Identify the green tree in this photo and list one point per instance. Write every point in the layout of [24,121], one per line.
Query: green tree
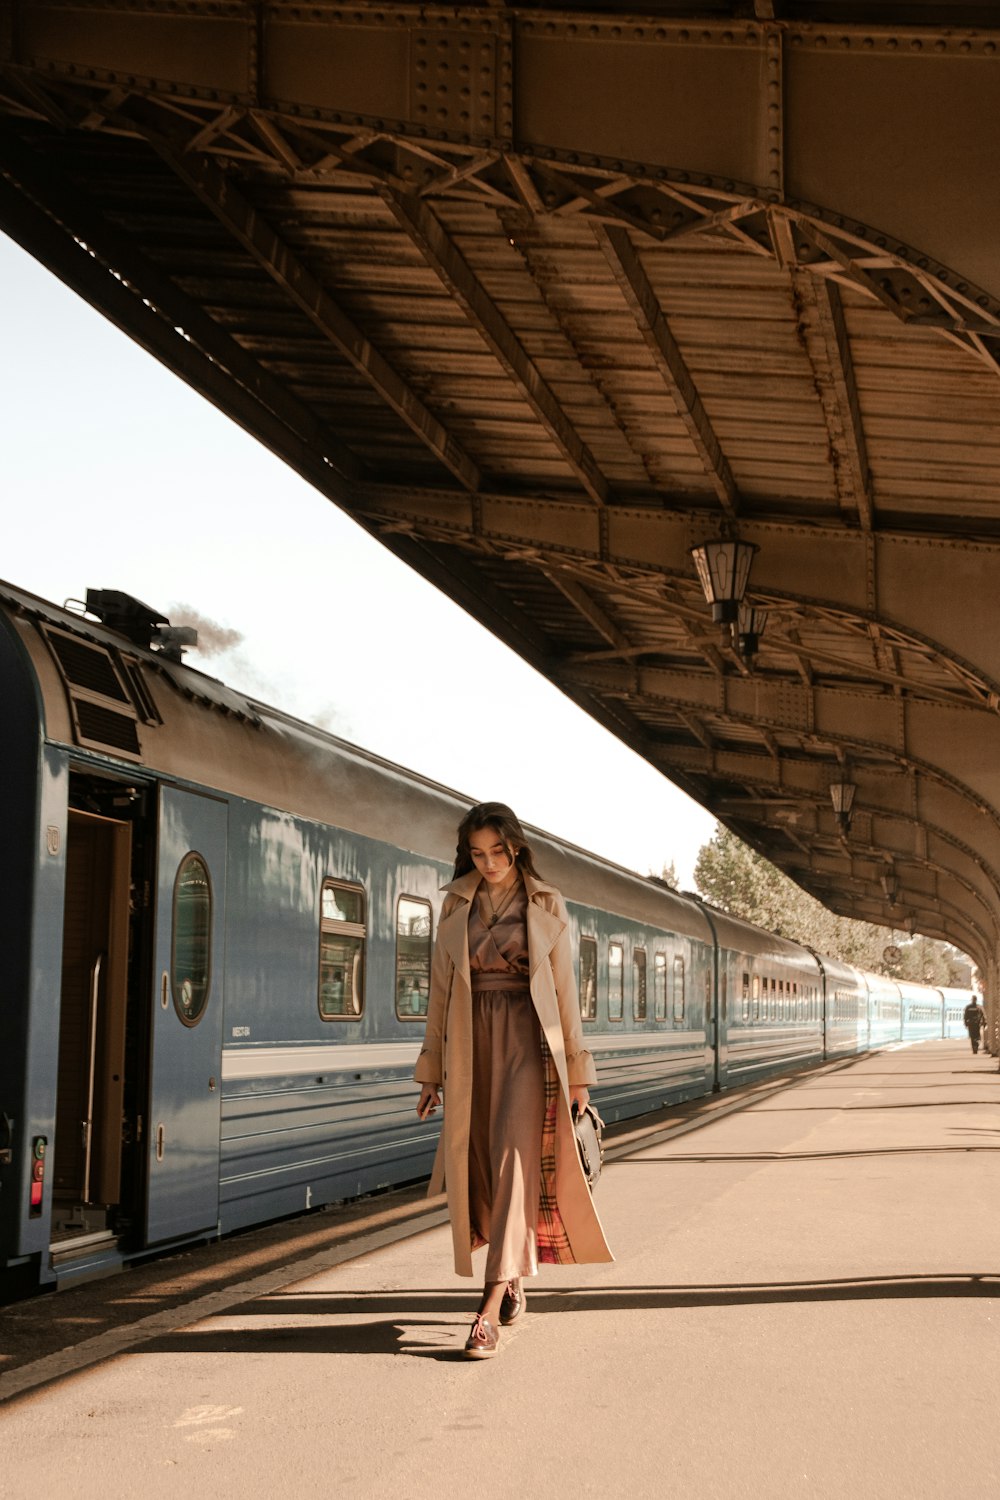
[730,875]
[668,875]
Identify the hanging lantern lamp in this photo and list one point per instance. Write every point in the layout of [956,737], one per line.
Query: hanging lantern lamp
[723,570]
[749,627]
[842,794]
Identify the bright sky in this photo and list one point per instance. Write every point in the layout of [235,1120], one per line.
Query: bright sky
[116,475]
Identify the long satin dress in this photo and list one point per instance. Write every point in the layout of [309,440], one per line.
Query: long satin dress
[508,1093]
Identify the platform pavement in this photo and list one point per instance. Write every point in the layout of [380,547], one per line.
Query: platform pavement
[804,1304]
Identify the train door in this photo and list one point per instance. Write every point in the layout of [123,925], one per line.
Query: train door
[87,1151]
[182,1138]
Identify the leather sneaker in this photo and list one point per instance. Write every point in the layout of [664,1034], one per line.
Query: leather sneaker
[513,1302]
[483,1340]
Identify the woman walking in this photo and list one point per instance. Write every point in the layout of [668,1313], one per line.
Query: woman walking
[504,1040]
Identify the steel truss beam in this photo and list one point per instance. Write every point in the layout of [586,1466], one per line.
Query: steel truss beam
[126,306]
[627,268]
[447,262]
[91,233]
[746,107]
[655,544]
[926,827]
[868,725]
[223,198]
[896,815]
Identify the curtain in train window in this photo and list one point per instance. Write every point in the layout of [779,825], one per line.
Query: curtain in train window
[588,978]
[678,995]
[342,952]
[191,943]
[746,996]
[660,987]
[413,957]
[639,984]
[616,981]
[756,997]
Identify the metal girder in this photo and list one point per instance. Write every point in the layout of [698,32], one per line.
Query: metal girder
[446,260]
[932,829]
[627,268]
[818,566]
[43,182]
[934,740]
[126,307]
[518,225]
[589,609]
[219,193]
[821,316]
[968,921]
[789,108]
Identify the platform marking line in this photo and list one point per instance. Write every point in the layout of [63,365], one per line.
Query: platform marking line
[197,1415]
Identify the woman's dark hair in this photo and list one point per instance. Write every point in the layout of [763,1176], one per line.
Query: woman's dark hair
[499,816]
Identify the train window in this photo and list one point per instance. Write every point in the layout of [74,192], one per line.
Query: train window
[191,941]
[678,996]
[413,957]
[756,997]
[746,996]
[588,978]
[341,952]
[639,984]
[616,981]
[660,987]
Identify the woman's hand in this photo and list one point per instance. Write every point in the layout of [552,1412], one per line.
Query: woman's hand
[579,1097]
[430,1098]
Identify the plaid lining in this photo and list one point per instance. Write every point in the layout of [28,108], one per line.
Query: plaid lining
[553,1242]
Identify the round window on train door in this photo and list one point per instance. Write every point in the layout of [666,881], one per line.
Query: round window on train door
[191,946]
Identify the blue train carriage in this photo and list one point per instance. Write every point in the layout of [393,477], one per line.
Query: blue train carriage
[206,897]
[770,1000]
[646,980]
[923,1011]
[885,1010]
[846,1008]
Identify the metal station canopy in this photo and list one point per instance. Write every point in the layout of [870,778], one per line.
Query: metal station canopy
[546,299]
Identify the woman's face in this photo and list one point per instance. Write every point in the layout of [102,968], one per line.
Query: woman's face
[490,857]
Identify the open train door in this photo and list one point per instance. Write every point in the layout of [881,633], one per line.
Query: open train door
[182,1138]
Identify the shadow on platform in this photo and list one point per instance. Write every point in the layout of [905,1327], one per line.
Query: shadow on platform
[381,1333]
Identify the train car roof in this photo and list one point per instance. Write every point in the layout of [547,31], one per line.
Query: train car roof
[743,937]
[198,730]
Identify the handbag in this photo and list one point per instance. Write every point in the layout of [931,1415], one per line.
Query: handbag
[588,1128]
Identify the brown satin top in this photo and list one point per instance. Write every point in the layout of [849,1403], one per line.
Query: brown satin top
[498,955]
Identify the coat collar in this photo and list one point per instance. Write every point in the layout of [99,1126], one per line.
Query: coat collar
[544,927]
[466,886]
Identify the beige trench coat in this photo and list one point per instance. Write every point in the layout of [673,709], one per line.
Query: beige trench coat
[446,1058]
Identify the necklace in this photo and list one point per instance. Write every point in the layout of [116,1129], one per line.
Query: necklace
[496,912]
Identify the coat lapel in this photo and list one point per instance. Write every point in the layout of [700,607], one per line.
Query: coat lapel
[453,930]
[544,927]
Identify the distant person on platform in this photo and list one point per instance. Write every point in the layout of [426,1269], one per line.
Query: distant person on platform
[975,1019]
